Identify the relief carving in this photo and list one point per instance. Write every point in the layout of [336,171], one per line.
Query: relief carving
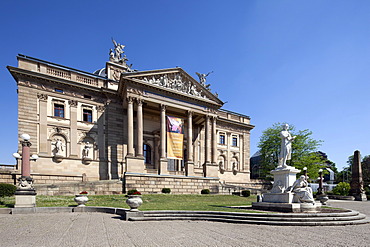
[42,96]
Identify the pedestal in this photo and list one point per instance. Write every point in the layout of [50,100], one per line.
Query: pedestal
[25,198]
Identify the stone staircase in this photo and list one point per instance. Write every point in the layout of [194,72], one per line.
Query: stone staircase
[349,217]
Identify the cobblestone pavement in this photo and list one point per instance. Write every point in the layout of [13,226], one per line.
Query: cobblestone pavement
[97,229]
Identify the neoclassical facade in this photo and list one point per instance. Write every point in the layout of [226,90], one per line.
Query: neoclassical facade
[111,125]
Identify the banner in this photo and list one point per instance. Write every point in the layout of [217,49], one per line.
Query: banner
[175,137]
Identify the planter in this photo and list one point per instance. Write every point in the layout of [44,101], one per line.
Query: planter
[81,200]
[134,201]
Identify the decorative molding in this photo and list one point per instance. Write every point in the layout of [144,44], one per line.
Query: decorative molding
[135,91]
[73,103]
[100,108]
[42,96]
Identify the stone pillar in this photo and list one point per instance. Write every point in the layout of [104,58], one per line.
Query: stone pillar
[208,142]
[101,140]
[139,151]
[163,159]
[130,126]
[43,137]
[209,169]
[25,167]
[73,128]
[214,141]
[189,166]
[357,183]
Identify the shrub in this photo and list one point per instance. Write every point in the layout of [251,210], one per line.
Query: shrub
[367,190]
[246,193]
[342,189]
[205,191]
[166,190]
[131,192]
[7,190]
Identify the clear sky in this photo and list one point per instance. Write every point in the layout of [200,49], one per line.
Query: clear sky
[302,62]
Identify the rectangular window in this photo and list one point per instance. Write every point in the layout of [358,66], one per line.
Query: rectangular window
[222,139]
[58,110]
[58,90]
[87,115]
[235,141]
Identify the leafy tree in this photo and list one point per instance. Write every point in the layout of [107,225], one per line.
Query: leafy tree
[342,189]
[304,151]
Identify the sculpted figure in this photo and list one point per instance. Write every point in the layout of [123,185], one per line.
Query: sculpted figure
[286,146]
[86,150]
[300,188]
[58,146]
[202,77]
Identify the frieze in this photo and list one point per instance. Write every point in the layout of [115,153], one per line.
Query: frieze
[174,81]
[230,127]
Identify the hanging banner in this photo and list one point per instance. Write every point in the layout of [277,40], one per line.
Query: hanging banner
[175,137]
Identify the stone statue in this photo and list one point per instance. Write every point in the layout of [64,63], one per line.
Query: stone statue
[86,150]
[58,147]
[202,78]
[117,55]
[301,190]
[286,146]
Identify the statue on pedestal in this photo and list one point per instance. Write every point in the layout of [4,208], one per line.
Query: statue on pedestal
[286,146]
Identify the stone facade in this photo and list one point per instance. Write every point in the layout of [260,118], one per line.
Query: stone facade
[110,125]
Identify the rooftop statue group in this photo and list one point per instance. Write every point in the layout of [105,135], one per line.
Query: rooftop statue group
[116,55]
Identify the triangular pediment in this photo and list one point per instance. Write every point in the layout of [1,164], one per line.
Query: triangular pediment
[175,80]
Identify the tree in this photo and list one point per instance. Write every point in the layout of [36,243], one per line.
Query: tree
[304,151]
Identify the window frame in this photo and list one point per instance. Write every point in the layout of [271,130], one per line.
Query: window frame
[85,109]
[59,110]
[234,141]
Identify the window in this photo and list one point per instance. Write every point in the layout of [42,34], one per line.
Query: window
[222,139]
[58,90]
[58,110]
[87,115]
[87,96]
[235,141]
[147,154]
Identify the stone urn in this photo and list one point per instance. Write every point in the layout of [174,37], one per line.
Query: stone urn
[81,200]
[134,201]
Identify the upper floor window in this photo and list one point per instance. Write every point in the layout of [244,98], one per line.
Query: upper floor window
[147,154]
[234,141]
[58,90]
[58,110]
[222,139]
[87,115]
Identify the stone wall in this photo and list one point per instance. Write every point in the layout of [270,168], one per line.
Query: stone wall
[178,184]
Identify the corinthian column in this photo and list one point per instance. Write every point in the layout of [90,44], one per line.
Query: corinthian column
[207,142]
[130,126]
[139,151]
[190,136]
[214,141]
[163,131]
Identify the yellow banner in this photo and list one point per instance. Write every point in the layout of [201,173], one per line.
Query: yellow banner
[175,138]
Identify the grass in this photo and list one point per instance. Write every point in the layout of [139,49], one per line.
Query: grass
[150,202]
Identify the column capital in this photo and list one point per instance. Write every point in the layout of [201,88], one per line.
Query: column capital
[130,99]
[139,102]
[73,103]
[190,113]
[163,107]
[26,143]
[42,96]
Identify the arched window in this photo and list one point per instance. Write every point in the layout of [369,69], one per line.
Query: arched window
[147,154]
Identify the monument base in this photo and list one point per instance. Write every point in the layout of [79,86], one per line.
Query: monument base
[360,197]
[287,207]
[25,198]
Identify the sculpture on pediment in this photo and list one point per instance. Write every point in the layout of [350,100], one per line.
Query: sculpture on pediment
[117,55]
[203,79]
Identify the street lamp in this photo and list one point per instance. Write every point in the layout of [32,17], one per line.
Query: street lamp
[319,191]
[305,173]
[25,196]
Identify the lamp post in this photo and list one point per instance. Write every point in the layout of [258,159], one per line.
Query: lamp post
[25,196]
[320,189]
[305,173]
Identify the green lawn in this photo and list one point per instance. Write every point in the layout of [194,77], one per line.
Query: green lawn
[150,202]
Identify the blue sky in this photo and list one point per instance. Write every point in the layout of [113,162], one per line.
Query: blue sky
[302,62]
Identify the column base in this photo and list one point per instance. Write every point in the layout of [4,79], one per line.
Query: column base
[189,168]
[210,170]
[163,166]
[135,164]
[25,198]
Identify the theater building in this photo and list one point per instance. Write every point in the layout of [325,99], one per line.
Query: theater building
[115,124]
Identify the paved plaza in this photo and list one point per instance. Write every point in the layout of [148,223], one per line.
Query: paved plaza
[98,229]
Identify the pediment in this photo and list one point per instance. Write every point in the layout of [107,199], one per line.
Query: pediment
[174,80]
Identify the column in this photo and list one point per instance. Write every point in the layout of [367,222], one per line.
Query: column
[207,142]
[101,137]
[43,104]
[26,168]
[163,160]
[163,131]
[130,126]
[73,128]
[190,136]
[139,151]
[214,141]
[189,165]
